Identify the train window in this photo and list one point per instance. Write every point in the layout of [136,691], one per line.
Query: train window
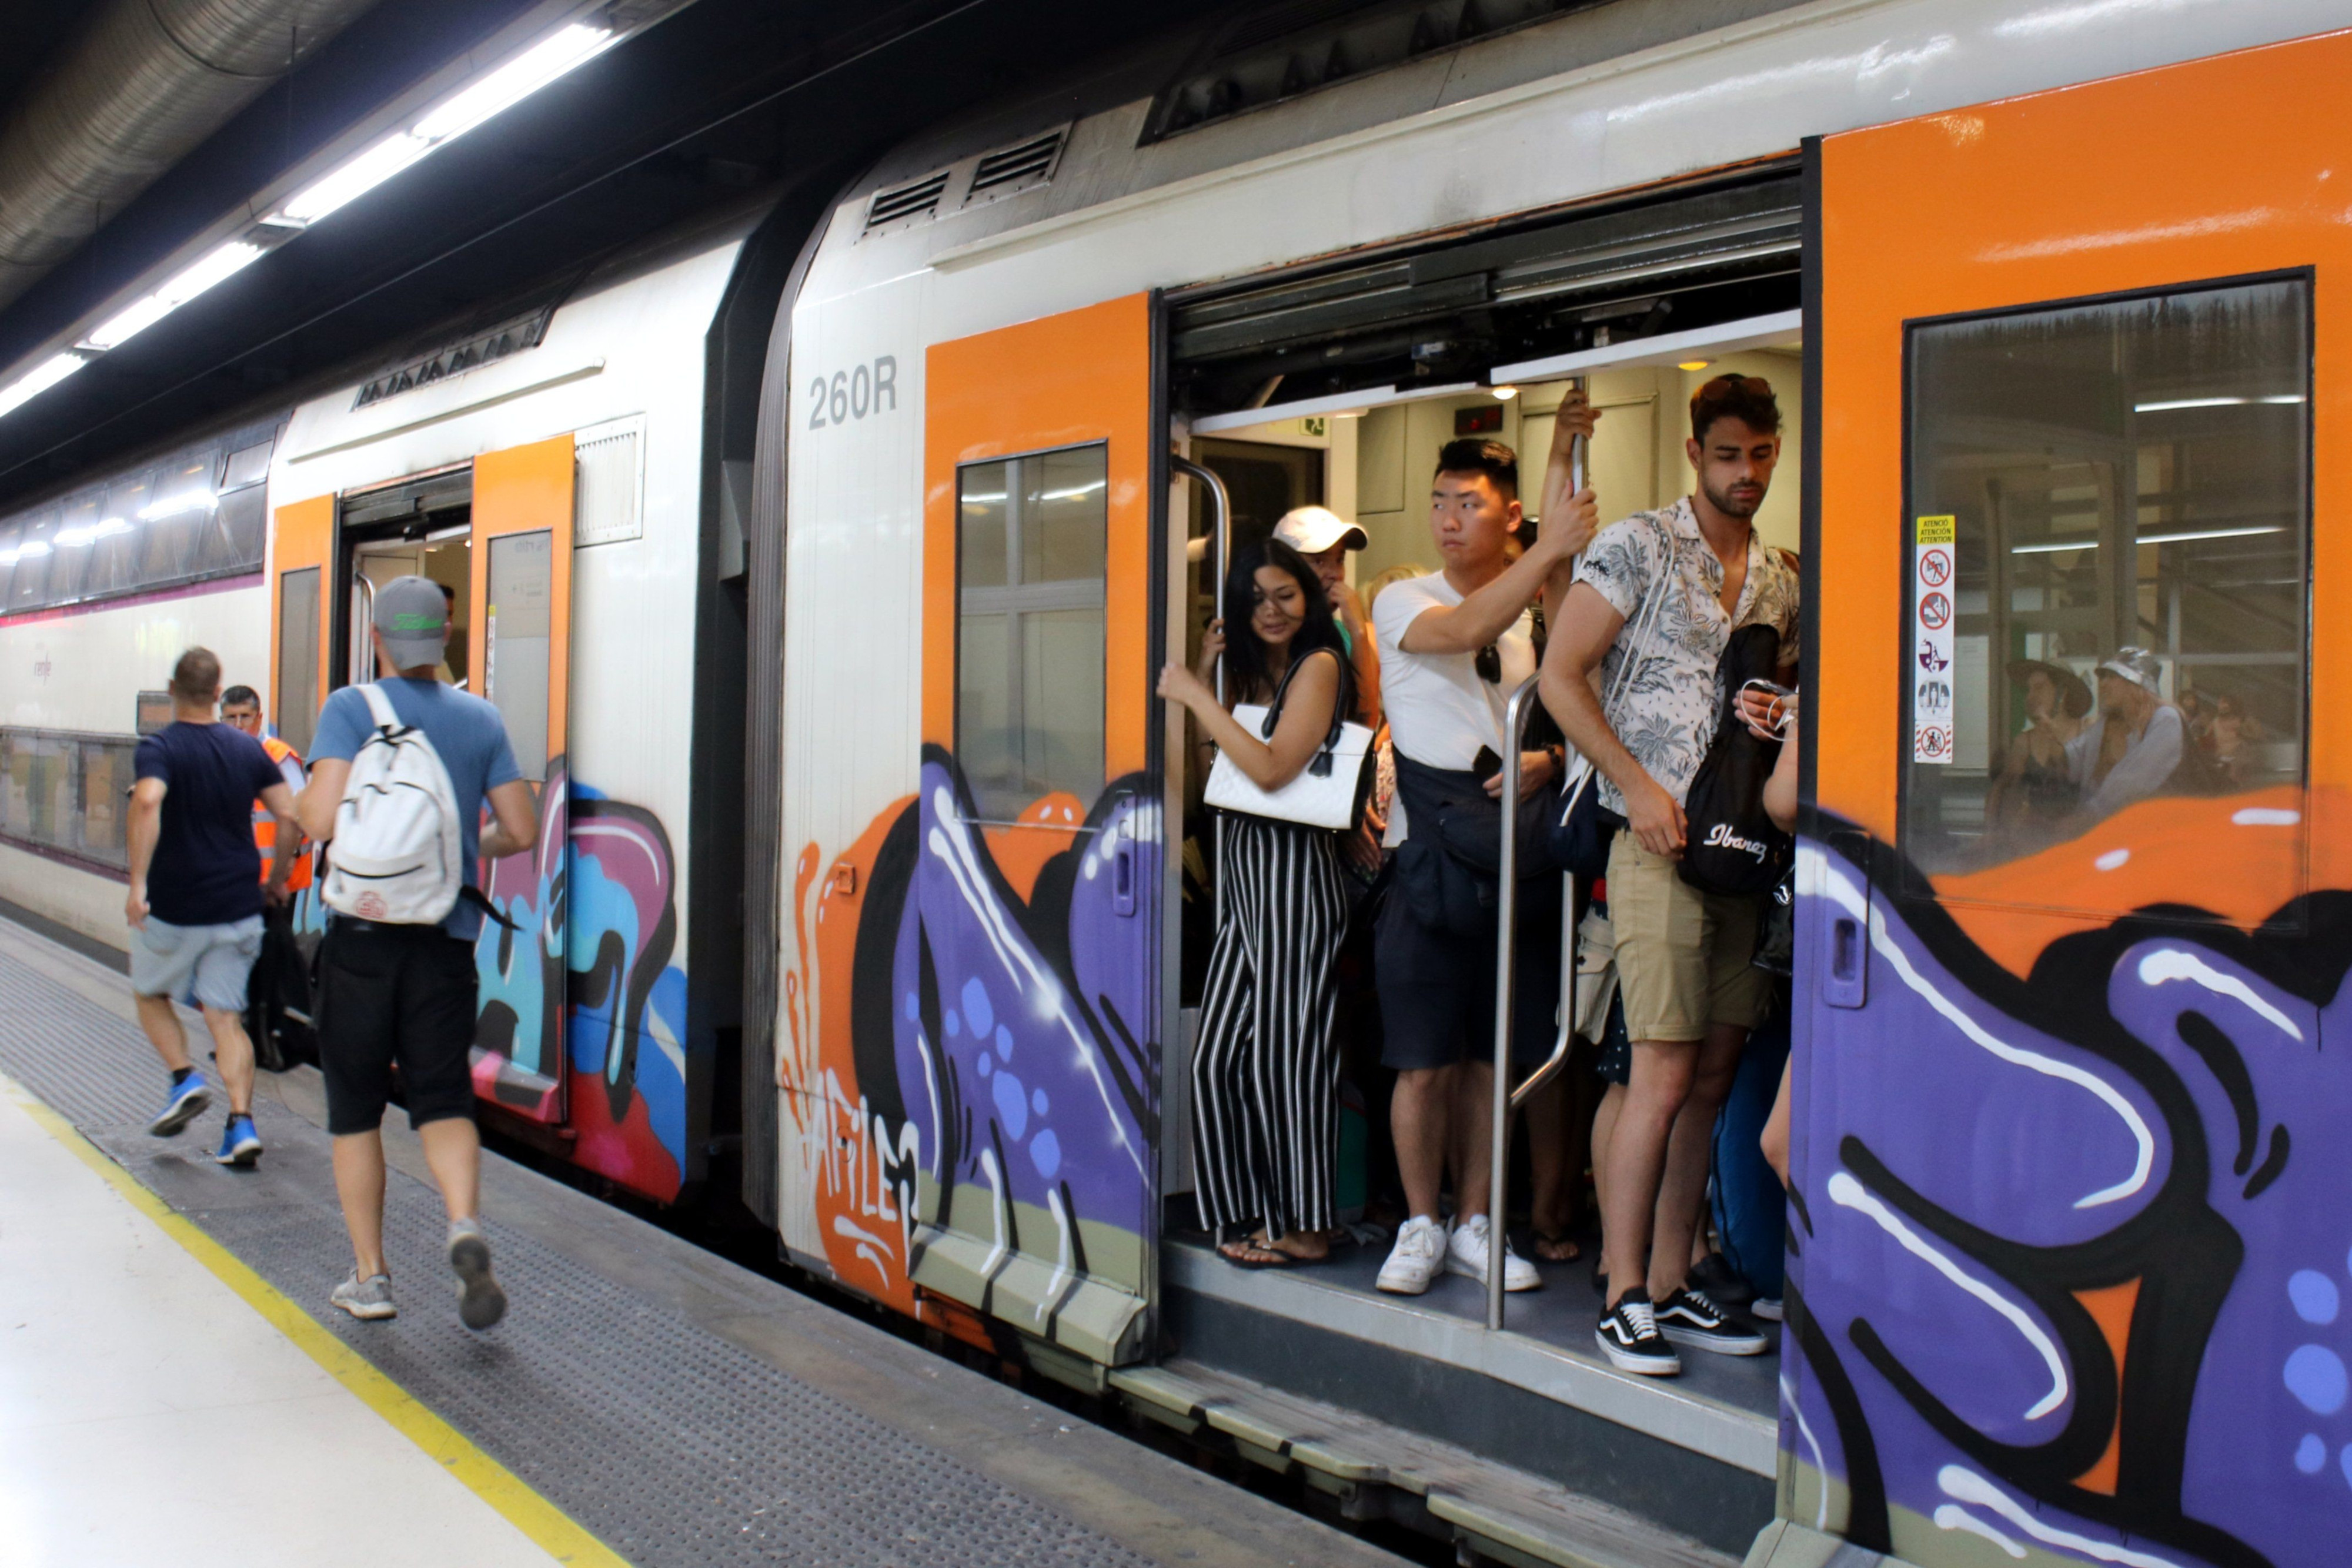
[517,642]
[297,656]
[34,550]
[1031,537]
[2108,564]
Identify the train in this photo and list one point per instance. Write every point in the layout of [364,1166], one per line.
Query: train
[820,556]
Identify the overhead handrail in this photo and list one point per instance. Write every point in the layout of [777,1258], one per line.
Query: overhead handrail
[1506,920]
[1221,514]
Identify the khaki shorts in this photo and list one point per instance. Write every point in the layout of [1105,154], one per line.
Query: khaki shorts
[1683,955]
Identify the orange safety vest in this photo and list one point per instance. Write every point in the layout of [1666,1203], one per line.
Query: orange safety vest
[265,826]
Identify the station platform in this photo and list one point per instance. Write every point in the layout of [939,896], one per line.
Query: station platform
[173,1385]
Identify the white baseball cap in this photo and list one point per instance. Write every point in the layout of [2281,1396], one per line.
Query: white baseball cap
[1311,530]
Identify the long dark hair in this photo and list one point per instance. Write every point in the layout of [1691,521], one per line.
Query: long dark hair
[1247,673]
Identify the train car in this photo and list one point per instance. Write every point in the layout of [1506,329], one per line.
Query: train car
[559,463]
[2044,286]
[100,589]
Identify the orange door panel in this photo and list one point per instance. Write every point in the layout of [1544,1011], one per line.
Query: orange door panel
[301,629]
[519,652]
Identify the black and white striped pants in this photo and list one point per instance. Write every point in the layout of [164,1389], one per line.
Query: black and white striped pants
[1265,1068]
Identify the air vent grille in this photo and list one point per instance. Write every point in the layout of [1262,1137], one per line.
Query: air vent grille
[906,200]
[1018,167]
[510,337]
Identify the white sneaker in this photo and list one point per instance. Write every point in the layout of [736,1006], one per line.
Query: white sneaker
[1465,1253]
[1414,1262]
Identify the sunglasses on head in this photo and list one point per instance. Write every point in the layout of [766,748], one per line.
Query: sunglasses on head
[1488,662]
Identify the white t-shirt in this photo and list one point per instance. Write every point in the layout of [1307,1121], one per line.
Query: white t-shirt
[1439,712]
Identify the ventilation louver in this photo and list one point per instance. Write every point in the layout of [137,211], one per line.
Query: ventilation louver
[1018,167]
[509,337]
[908,201]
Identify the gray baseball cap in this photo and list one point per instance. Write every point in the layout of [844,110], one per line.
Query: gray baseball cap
[413,619]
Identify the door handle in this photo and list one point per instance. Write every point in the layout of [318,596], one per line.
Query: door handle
[1123,877]
[1845,951]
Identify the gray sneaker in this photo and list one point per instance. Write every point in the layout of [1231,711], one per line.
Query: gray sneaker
[369,1299]
[480,1303]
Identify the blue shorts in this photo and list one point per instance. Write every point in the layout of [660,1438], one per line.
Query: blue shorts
[211,961]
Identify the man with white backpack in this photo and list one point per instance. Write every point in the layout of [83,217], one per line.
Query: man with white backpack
[399,772]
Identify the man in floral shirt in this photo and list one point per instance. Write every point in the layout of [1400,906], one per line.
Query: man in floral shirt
[1656,597]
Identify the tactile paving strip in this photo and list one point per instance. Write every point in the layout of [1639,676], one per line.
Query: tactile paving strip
[673,1446]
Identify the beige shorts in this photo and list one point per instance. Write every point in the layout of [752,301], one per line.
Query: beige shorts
[1683,955]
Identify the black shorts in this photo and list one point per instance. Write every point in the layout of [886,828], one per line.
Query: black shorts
[395,993]
[1437,990]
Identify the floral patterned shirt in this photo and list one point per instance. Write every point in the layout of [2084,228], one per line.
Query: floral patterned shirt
[1665,713]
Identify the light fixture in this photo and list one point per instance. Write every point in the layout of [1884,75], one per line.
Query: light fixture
[2054,547]
[2286,398]
[1349,413]
[1693,364]
[217,266]
[502,88]
[39,380]
[1505,394]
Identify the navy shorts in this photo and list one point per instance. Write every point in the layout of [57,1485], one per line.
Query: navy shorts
[392,994]
[1437,989]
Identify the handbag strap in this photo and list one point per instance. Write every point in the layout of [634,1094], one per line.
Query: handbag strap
[1340,703]
[1644,623]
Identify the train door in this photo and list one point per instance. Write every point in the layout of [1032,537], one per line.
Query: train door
[520,641]
[2069,923]
[1027,1041]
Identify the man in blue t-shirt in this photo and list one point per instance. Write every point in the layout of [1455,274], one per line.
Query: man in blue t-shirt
[196,894]
[404,993]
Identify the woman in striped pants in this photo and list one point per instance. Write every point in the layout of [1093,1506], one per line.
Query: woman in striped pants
[1266,1114]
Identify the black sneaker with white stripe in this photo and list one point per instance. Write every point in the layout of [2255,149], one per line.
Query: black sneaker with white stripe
[1629,1339]
[1687,1317]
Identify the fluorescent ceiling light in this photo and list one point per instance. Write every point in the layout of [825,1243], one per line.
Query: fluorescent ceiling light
[2055,547]
[222,263]
[2212,403]
[480,100]
[515,80]
[39,380]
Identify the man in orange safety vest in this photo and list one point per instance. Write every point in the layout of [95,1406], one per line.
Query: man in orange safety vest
[241,706]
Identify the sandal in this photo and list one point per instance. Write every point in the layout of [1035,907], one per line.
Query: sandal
[1246,1254]
[1557,1246]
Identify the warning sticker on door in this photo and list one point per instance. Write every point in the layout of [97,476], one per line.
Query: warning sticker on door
[1932,612]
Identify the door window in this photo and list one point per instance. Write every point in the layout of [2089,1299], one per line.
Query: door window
[517,642]
[2108,565]
[297,656]
[1031,534]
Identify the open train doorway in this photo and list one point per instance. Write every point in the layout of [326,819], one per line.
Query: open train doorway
[1338,387]
[419,527]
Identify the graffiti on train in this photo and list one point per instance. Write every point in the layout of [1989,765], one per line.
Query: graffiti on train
[609,984]
[976,1027]
[2074,1245]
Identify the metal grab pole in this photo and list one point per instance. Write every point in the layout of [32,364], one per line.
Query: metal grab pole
[1221,514]
[1506,919]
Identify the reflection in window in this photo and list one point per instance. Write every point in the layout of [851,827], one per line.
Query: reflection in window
[67,792]
[1031,535]
[2124,484]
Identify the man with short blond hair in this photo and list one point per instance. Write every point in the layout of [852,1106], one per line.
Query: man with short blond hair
[196,894]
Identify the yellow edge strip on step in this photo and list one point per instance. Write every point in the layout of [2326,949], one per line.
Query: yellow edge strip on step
[552,1530]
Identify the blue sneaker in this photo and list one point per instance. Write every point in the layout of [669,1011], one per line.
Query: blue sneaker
[188,1097]
[240,1145]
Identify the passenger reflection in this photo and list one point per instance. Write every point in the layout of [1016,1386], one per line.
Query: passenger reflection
[2138,745]
[2036,793]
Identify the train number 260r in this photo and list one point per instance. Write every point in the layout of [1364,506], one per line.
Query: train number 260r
[855,393]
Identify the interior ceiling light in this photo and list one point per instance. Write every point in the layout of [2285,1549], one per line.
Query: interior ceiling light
[223,262]
[471,104]
[1693,364]
[2056,546]
[1506,394]
[2212,403]
[39,380]
[536,67]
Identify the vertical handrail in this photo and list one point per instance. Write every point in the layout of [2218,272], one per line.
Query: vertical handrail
[362,667]
[1220,513]
[1506,920]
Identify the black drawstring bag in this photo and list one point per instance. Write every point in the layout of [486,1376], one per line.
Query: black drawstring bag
[1730,846]
[1449,868]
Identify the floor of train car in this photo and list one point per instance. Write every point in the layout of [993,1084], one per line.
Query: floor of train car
[1559,1317]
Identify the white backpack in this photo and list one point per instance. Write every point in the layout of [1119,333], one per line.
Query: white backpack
[398,855]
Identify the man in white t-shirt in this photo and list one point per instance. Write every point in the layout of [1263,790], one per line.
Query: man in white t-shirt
[1452,647]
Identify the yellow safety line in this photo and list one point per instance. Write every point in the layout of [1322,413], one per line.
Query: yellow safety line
[554,1531]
